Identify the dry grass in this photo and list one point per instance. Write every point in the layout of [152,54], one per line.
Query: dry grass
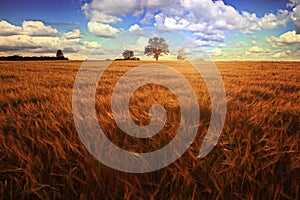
[257,157]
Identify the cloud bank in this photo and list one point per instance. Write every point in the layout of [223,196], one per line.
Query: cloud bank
[34,37]
[206,19]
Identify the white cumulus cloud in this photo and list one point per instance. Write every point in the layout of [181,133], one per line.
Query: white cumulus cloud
[217,52]
[256,49]
[74,34]
[35,38]
[270,21]
[101,30]
[37,28]
[206,19]
[32,28]
[285,46]
[279,55]
[296,17]
[7,29]
[288,38]
[136,30]
[107,11]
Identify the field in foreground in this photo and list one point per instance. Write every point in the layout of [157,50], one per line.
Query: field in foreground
[257,156]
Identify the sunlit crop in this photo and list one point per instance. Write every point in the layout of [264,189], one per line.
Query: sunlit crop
[257,156]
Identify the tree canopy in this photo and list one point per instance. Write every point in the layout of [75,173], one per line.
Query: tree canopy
[156,47]
[181,54]
[59,54]
[127,54]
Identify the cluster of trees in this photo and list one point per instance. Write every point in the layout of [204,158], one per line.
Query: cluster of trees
[156,47]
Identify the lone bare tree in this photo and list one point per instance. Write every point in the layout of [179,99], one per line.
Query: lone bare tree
[181,54]
[127,54]
[156,47]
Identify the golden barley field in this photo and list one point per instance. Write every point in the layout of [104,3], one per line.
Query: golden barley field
[257,155]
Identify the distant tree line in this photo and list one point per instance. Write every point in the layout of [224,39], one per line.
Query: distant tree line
[21,58]
[59,56]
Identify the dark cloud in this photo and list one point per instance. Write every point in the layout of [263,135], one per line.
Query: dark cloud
[17,48]
[70,50]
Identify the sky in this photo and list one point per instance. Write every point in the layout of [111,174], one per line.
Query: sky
[224,30]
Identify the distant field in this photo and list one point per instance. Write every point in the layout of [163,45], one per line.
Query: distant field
[257,156]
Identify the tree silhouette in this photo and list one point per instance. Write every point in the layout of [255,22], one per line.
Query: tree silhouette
[127,54]
[181,54]
[156,47]
[59,54]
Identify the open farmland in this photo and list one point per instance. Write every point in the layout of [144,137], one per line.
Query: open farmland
[257,156]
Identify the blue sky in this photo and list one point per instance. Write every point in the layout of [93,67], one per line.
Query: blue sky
[226,30]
